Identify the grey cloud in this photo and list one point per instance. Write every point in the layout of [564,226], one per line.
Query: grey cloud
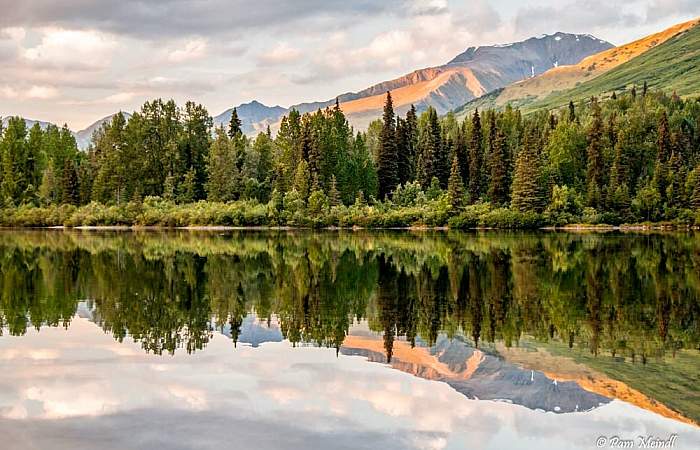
[661,9]
[178,17]
[574,16]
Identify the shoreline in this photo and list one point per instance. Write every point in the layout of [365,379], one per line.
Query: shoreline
[550,228]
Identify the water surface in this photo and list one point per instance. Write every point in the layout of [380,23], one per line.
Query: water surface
[347,340]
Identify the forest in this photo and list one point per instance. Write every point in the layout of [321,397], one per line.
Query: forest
[630,157]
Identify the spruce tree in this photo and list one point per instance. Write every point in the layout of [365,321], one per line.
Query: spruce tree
[221,169]
[455,187]
[695,196]
[412,135]
[528,193]
[404,149]
[387,161]
[69,182]
[498,182]
[234,125]
[662,157]
[475,158]
[594,166]
[334,193]
[676,197]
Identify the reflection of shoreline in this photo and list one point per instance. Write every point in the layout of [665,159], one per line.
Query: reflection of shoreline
[478,375]
[591,380]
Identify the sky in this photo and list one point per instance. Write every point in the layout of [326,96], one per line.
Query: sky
[76,61]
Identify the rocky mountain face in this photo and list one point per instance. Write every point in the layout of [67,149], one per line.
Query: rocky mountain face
[567,76]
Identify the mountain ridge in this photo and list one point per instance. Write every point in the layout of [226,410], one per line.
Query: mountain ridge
[562,78]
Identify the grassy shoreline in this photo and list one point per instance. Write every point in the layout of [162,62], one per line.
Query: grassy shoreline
[437,214]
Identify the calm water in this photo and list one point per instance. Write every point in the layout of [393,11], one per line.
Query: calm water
[391,340]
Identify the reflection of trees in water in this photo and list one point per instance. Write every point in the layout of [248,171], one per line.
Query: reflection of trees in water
[633,296]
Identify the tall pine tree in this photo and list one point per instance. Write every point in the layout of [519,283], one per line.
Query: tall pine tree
[498,181]
[594,165]
[528,192]
[475,158]
[387,166]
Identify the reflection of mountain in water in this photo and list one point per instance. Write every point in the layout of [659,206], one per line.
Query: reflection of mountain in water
[254,332]
[477,374]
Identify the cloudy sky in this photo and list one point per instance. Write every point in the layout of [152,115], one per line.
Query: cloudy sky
[75,61]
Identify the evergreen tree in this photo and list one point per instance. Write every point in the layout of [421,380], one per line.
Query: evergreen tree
[387,160]
[221,168]
[662,158]
[302,180]
[194,146]
[594,166]
[234,125]
[528,195]
[404,151]
[69,182]
[455,187]
[695,196]
[498,181]
[334,194]
[676,189]
[475,158]
[12,154]
[48,189]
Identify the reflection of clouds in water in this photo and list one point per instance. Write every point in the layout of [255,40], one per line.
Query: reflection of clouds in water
[97,390]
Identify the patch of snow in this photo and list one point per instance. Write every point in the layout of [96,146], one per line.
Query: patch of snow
[556,63]
[533,71]
[502,45]
[558,38]
[602,42]
[542,36]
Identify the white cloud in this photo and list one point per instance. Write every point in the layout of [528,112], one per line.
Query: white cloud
[120,98]
[283,53]
[42,92]
[193,49]
[66,48]
[13,33]
[8,92]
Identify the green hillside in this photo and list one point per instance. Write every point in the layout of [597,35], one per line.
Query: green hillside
[672,66]
[486,101]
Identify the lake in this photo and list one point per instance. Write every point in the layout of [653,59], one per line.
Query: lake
[348,340]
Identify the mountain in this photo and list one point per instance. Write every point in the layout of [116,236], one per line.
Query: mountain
[30,123]
[562,78]
[255,117]
[477,374]
[673,66]
[84,137]
[469,75]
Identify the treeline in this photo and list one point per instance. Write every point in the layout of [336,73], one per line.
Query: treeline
[633,157]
